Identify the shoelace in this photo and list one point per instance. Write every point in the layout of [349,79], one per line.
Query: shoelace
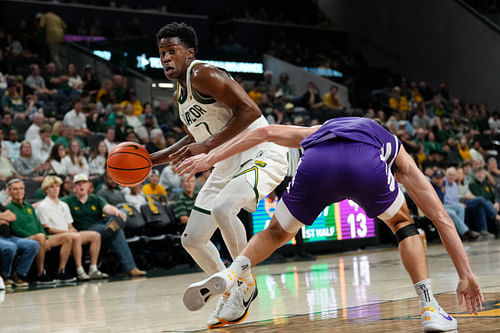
[237,297]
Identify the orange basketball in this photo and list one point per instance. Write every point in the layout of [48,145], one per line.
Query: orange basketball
[128,164]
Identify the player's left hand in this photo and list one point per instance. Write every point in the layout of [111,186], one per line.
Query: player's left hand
[189,150]
[193,164]
[468,289]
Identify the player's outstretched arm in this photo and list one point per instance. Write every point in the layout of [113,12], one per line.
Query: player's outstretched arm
[284,135]
[421,191]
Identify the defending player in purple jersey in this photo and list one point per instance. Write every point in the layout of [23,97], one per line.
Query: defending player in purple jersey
[346,158]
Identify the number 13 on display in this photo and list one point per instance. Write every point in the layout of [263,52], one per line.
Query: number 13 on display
[360,219]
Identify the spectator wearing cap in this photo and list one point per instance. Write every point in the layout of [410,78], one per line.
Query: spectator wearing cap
[56,218]
[42,144]
[121,127]
[28,226]
[456,211]
[76,118]
[153,189]
[87,210]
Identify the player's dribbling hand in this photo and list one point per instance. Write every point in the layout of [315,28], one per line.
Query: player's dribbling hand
[468,290]
[193,165]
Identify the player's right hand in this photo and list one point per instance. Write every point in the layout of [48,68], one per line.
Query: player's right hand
[468,290]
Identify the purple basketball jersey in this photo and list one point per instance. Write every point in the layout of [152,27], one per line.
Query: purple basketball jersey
[345,158]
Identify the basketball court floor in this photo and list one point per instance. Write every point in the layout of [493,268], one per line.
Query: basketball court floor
[362,291]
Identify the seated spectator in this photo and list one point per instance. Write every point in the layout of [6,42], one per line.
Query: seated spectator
[285,87]
[34,130]
[154,190]
[97,159]
[27,167]
[90,81]
[57,130]
[12,102]
[397,101]
[42,144]
[76,118]
[56,218]
[121,128]
[14,144]
[75,81]
[331,100]
[66,186]
[170,180]
[53,81]
[94,121]
[463,149]
[157,141]
[28,226]
[109,138]
[105,90]
[494,122]
[6,123]
[6,168]
[118,87]
[131,98]
[75,161]
[493,170]
[134,122]
[68,136]
[480,186]
[111,192]
[476,208]
[431,143]
[17,253]
[167,115]
[255,94]
[87,210]
[136,198]
[456,211]
[266,85]
[5,147]
[477,152]
[184,201]
[36,82]
[420,119]
[57,154]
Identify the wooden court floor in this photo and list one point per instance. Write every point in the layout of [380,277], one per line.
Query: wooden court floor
[362,291]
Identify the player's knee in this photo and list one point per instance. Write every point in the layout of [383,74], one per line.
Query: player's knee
[278,233]
[189,242]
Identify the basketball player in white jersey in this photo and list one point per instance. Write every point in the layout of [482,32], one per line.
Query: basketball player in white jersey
[214,108]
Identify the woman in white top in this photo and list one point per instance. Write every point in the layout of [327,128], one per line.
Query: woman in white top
[97,159]
[74,80]
[75,162]
[56,156]
[136,198]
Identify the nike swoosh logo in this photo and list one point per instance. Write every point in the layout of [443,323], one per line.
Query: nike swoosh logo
[246,303]
[447,317]
[132,146]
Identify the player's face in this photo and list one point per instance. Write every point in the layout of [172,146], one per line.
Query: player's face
[175,57]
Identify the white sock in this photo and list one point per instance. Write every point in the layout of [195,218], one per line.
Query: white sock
[80,270]
[241,267]
[425,295]
[92,269]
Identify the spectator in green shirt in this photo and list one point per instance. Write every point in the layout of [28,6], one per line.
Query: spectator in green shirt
[28,226]
[185,201]
[480,186]
[88,214]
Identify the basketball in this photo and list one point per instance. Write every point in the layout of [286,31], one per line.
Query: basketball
[128,164]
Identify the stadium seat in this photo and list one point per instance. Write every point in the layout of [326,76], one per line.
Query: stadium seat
[158,221]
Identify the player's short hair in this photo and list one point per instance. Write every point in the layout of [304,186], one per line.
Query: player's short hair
[181,30]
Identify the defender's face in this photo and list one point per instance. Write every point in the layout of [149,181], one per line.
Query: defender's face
[175,57]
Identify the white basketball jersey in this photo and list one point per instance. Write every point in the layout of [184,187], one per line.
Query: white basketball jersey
[204,116]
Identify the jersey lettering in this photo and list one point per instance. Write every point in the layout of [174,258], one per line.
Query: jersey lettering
[192,115]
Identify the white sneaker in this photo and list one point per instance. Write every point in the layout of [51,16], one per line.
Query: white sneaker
[82,276]
[236,308]
[437,320]
[213,320]
[95,275]
[199,293]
